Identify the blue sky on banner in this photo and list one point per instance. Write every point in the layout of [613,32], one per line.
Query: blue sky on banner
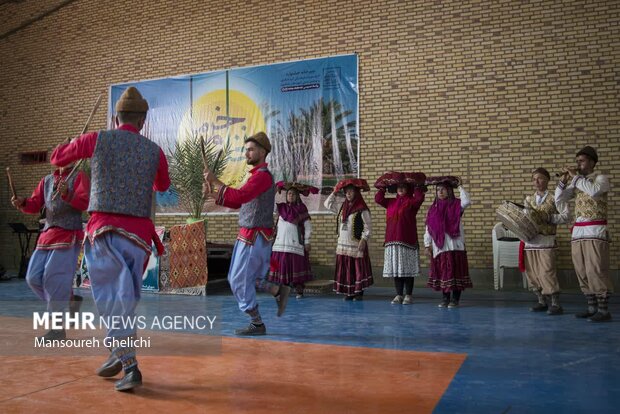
[258,98]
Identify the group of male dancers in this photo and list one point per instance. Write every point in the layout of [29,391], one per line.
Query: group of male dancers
[125,169]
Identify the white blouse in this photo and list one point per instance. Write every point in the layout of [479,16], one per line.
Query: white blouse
[347,245]
[450,244]
[287,237]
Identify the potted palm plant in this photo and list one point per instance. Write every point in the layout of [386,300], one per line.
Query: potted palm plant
[187,163]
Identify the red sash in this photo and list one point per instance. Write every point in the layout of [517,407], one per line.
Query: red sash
[589,223]
[522,256]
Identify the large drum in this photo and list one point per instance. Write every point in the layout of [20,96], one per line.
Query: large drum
[517,221]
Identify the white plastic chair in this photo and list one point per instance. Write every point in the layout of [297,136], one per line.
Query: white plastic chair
[505,254]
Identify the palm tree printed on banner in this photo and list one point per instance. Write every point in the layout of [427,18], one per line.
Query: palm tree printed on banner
[318,145]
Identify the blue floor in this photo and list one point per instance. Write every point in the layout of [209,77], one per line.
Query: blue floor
[517,361]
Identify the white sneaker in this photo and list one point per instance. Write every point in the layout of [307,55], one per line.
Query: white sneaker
[397,300]
[408,300]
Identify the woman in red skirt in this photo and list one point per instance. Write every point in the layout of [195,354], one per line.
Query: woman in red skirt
[444,241]
[353,271]
[290,264]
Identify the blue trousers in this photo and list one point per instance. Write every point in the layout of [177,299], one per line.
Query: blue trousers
[50,275]
[248,268]
[115,266]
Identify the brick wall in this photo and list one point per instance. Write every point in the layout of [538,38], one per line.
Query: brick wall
[487,90]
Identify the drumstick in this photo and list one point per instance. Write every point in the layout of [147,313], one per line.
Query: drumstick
[11,186]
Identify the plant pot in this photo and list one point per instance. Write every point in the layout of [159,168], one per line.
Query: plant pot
[192,220]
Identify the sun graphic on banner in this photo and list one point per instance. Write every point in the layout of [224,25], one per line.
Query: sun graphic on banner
[210,119]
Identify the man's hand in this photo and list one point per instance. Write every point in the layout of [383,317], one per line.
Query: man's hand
[209,176]
[18,202]
[63,188]
[571,171]
[206,189]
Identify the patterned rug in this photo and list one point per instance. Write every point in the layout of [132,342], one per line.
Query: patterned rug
[150,278]
[184,271]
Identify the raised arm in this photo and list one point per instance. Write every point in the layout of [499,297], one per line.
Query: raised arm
[81,147]
[332,204]
[592,188]
[465,200]
[380,198]
[234,197]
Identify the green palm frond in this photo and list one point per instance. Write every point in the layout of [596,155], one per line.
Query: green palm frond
[187,168]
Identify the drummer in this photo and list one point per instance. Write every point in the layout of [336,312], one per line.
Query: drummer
[537,256]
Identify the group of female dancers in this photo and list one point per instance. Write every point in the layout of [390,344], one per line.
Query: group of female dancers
[443,240]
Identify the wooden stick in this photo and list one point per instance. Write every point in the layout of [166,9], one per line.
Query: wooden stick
[204,152]
[78,164]
[92,113]
[11,186]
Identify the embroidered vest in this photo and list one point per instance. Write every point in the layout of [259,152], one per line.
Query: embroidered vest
[123,168]
[589,207]
[259,212]
[541,214]
[59,213]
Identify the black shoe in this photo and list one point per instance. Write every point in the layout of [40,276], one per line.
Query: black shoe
[74,308]
[600,317]
[358,298]
[555,310]
[282,298]
[111,367]
[539,307]
[348,298]
[583,315]
[75,304]
[131,380]
[252,330]
[54,334]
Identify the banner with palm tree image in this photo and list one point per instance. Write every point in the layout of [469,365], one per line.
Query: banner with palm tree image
[309,110]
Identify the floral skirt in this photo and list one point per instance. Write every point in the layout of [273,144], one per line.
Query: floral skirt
[401,261]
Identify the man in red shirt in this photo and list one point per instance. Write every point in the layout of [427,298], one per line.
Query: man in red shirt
[53,263]
[252,252]
[125,169]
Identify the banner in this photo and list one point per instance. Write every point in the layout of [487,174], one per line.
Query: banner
[309,110]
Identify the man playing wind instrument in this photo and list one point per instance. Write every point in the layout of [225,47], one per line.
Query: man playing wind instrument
[590,239]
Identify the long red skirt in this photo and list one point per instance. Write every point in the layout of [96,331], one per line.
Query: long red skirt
[289,269]
[353,275]
[449,271]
